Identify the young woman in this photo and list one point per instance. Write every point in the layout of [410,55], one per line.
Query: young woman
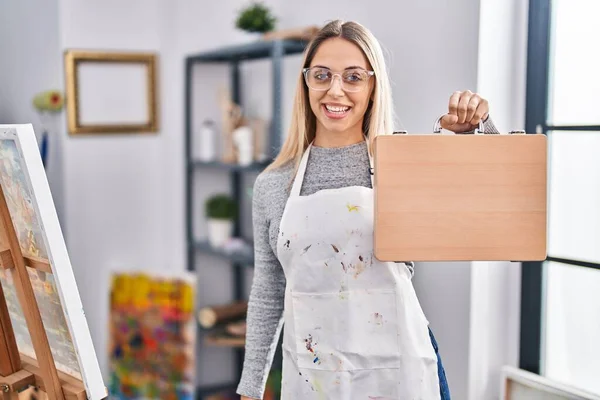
[353,326]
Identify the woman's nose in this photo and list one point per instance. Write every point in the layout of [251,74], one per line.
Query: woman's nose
[336,86]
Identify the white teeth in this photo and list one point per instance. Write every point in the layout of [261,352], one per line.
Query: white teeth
[336,109]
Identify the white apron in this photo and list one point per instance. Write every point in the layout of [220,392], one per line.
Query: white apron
[353,326]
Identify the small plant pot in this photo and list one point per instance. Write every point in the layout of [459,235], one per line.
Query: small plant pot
[219,231]
[252,36]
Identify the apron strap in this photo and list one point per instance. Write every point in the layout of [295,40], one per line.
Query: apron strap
[370,162]
[300,173]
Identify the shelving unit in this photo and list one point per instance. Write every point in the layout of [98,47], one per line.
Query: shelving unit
[232,56]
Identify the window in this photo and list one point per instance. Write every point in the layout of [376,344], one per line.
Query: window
[574,195]
[560,310]
[571,327]
[573,82]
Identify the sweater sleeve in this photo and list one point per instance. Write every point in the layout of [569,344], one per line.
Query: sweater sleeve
[488,127]
[265,305]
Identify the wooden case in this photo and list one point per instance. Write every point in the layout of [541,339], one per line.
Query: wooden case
[460,197]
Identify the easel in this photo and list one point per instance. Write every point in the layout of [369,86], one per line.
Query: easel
[18,372]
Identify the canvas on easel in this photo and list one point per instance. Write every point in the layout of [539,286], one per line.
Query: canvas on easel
[44,336]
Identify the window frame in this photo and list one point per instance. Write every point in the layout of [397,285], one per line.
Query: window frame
[536,121]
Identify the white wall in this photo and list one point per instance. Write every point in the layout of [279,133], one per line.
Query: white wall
[29,44]
[29,36]
[118,186]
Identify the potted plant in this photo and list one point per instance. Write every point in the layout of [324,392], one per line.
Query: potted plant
[221,211]
[256,18]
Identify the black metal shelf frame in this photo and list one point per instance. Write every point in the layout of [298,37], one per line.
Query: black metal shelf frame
[232,56]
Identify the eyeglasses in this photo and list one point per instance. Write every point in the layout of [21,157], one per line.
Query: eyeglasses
[321,79]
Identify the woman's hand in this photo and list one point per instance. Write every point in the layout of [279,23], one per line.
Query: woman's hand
[246,398]
[465,110]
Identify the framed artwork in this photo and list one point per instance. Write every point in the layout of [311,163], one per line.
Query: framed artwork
[43,329]
[111,92]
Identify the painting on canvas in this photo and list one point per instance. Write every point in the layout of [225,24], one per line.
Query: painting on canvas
[152,337]
[36,225]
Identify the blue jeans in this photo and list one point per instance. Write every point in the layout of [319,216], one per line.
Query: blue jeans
[444,389]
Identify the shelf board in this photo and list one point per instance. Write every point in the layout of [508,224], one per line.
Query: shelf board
[224,340]
[248,51]
[207,390]
[243,258]
[229,166]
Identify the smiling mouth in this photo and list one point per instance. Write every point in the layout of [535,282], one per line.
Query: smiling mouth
[337,109]
[336,112]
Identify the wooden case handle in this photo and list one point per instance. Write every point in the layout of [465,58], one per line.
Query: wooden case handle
[437,127]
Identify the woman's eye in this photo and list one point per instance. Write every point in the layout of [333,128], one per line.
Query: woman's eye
[354,77]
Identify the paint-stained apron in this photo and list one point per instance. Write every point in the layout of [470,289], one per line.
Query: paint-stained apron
[353,326]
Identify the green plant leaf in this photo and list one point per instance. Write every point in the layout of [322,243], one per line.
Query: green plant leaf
[221,206]
[256,18]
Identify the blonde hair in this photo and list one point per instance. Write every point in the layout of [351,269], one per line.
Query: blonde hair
[379,116]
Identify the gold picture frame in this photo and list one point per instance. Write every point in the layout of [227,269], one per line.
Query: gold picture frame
[111,92]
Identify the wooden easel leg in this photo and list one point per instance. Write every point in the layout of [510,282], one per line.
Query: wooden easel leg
[10,361]
[29,304]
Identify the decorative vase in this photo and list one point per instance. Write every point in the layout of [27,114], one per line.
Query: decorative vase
[219,231]
[205,142]
[243,140]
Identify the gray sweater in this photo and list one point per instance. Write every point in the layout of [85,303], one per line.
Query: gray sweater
[327,168]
